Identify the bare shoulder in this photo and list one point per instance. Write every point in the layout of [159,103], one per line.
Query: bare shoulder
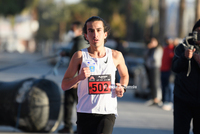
[116,54]
[74,64]
[117,57]
[77,57]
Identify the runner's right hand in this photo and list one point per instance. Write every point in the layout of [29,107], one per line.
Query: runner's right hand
[85,73]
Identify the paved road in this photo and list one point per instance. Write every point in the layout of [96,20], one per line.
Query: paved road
[134,116]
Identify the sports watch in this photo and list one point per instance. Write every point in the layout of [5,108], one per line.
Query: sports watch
[124,87]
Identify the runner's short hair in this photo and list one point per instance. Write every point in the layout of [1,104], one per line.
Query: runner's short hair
[96,18]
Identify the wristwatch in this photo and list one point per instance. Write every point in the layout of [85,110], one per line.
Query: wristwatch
[124,87]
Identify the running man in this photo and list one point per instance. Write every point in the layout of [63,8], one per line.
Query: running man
[97,90]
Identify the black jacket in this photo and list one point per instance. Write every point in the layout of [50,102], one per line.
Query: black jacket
[187,88]
[78,43]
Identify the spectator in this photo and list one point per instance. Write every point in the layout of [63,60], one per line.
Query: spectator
[185,65]
[70,96]
[176,42]
[168,53]
[153,60]
[120,46]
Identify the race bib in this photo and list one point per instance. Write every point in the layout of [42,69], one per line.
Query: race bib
[99,84]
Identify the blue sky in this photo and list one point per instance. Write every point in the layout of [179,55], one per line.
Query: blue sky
[176,1]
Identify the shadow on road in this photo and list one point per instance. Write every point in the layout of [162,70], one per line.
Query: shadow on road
[119,130]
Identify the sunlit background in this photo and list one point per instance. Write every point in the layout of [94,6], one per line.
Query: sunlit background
[36,30]
[25,24]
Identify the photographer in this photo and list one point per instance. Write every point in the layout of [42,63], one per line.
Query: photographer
[186,65]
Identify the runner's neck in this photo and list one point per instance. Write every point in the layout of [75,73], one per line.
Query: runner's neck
[97,53]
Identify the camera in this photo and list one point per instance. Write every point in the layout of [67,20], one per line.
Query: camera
[195,36]
[192,37]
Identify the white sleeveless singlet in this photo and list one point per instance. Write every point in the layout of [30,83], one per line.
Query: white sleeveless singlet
[105,103]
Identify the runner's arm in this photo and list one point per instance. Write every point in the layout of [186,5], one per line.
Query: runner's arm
[123,72]
[69,80]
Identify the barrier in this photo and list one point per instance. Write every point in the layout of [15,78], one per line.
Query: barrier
[32,105]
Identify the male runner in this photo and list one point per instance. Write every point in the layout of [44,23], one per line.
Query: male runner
[97,90]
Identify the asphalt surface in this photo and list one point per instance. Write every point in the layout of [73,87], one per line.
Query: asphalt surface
[134,116]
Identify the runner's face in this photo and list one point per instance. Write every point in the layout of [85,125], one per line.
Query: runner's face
[95,33]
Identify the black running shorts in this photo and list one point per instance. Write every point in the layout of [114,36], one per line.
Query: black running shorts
[95,123]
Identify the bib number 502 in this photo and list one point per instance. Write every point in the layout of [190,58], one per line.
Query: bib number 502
[99,88]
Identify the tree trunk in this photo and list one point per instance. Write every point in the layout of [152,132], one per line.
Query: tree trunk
[162,21]
[181,14]
[197,14]
[129,25]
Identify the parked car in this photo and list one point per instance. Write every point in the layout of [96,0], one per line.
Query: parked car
[138,81]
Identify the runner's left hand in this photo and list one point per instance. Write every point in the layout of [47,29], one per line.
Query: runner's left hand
[119,90]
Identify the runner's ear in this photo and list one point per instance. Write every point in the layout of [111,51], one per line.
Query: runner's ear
[85,35]
[105,35]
